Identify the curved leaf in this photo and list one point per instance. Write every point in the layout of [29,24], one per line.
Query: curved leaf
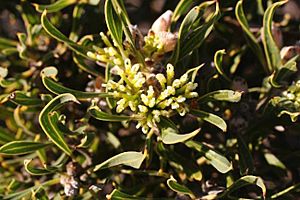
[251,40]
[20,98]
[54,7]
[211,118]
[181,189]
[271,50]
[221,95]
[118,195]
[218,58]
[114,24]
[50,73]
[21,147]
[55,33]
[51,129]
[181,9]
[190,38]
[171,136]
[130,158]
[217,160]
[242,182]
[5,137]
[38,171]
[96,113]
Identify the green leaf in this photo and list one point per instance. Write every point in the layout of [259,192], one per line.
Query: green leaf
[55,33]
[96,113]
[218,58]
[51,129]
[130,158]
[242,182]
[118,195]
[221,95]
[54,7]
[190,38]
[181,9]
[170,135]
[20,98]
[211,118]
[251,39]
[114,24]
[245,157]
[38,171]
[49,73]
[21,147]
[5,136]
[217,160]
[181,189]
[87,140]
[271,50]
[280,75]
[273,160]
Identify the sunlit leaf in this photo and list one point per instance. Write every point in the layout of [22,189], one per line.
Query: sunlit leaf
[271,50]
[273,160]
[130,158]
[96,113]
[242,182]
[221,95]
[218,63]
[38,171]
[217,160]
[52,130]
[21,147]
[54,7]
[49,73]
[55,33]
[181,189]
[170,135]
[211,118]
[251,39]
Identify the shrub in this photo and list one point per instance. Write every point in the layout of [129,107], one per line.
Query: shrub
[202,105]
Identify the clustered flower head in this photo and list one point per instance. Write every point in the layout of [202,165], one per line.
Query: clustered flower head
[150,96]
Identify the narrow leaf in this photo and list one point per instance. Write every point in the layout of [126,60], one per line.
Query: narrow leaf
[54,7]
[37,171]
[218,58]
[221,95]
[96,113]
[51,129]
[271,50]
[55,33]
[251,39]
[130,158]
[211,118]
[118,195]
[242,182]
[171,136]
[217,160]
[181,189]
[20,98]
[21,147]
[49,73]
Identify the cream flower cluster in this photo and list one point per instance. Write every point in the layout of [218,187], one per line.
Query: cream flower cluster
[153,96]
